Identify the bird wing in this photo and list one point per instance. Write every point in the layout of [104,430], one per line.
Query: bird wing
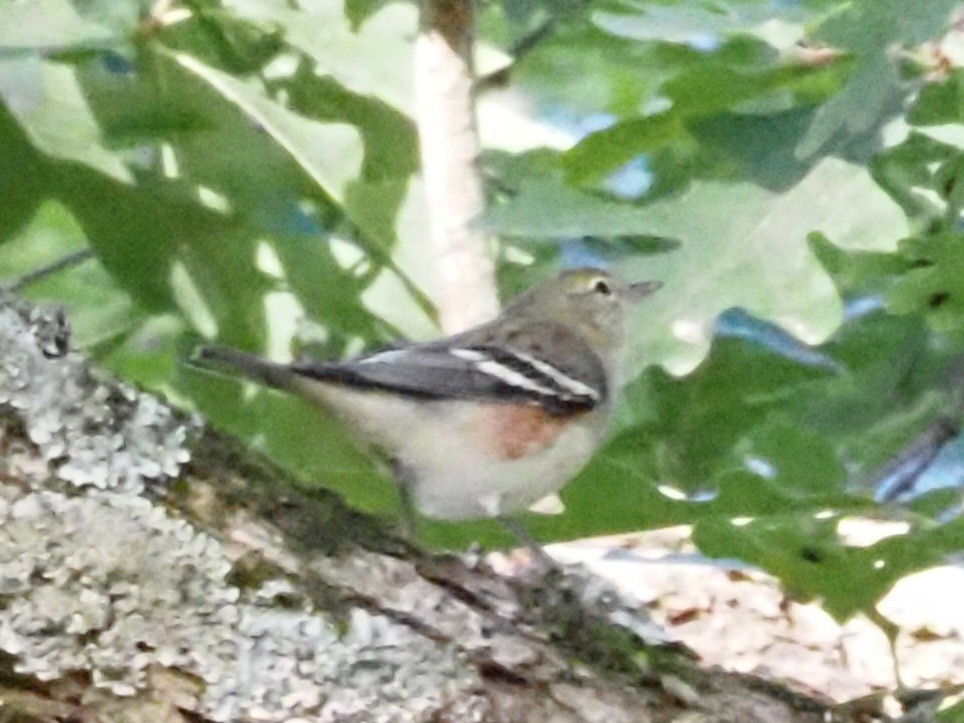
[479,366]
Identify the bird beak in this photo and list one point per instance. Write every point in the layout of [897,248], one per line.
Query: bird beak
[641,289]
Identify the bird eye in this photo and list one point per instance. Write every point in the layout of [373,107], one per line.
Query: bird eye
[601,286]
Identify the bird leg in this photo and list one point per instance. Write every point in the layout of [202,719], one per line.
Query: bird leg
[405,481]
[524,539]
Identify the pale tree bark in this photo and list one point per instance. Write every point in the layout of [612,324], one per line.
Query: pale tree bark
[461,252]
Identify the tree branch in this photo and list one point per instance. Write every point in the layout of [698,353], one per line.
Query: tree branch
[462,256]
[153,570]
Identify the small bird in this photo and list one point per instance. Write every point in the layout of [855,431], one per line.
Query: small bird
[488,422]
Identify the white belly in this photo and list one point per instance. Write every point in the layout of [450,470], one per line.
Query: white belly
[460,480]
[458,475]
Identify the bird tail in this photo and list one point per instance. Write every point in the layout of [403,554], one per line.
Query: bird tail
[234,362]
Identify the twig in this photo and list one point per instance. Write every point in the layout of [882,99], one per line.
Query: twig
[39,274]
[904,468]
[526,44]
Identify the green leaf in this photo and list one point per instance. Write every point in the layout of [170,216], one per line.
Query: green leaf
[693,426]
[329,153]
[804,462]
[935,286]
[148,235]
[49,25]
[122,17]
[376,60]
[694,94]
[549,207]
[937,502]
[940,102]
[691,22]
[951,714]
[22,184]
[47,100]
[391,140]
[374,200]
[607,74]
[357,11]
[870,29]
[889,390]
[908,172]
[98,309]
[811,561]
[857,273]
[604,151]
[756,240]
[149,354]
